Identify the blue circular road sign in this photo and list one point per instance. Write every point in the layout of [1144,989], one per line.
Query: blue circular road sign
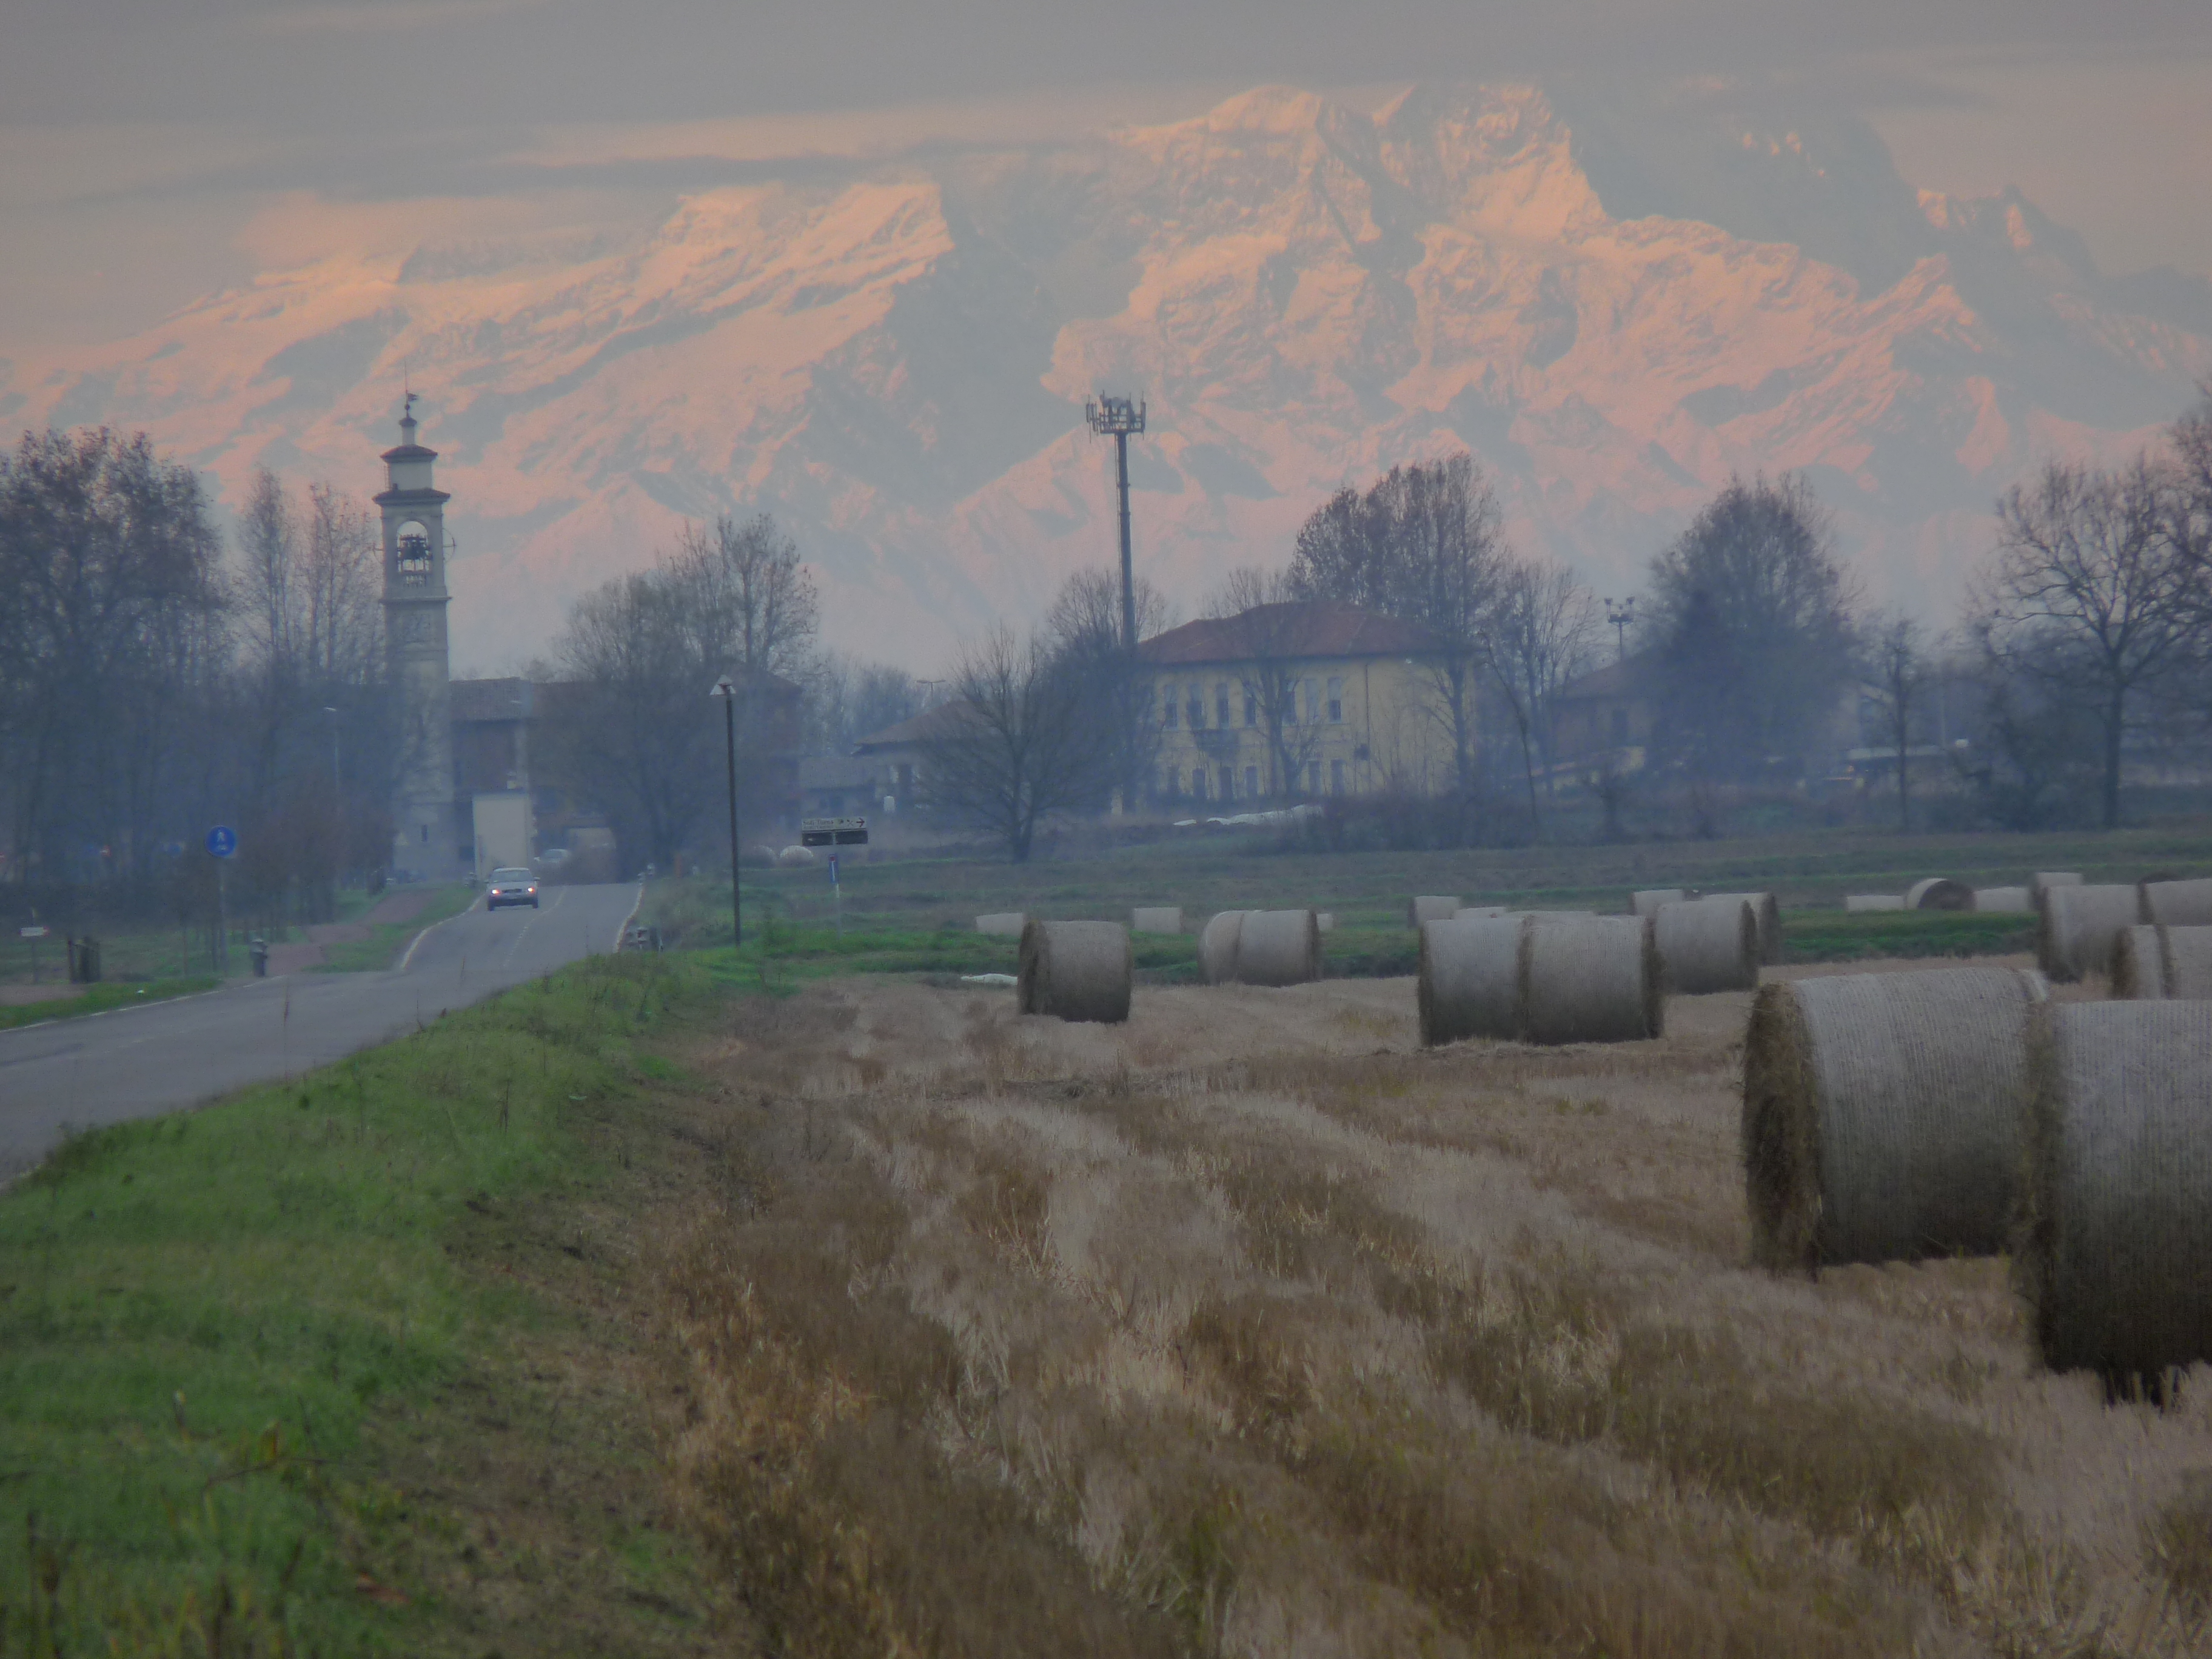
[222,840]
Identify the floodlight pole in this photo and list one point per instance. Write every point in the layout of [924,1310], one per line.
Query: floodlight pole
[727,690]
[1117,417]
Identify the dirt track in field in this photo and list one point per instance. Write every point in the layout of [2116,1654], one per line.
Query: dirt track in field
[1249,1327]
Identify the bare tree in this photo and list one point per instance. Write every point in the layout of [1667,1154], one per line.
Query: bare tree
[631,729]
[1753,610]
[1541,632]
[2083,595]
[747,597]
[1897,668]
[848,699]
[1422,544]
[1020,740]
[1084,624]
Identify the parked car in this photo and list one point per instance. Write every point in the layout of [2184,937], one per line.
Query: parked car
[510,886]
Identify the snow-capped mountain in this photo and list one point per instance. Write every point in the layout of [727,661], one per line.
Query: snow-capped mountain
[1613,302]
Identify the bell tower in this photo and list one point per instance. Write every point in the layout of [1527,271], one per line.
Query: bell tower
[426,836]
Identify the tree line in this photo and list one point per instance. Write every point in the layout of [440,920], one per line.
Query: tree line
[151,685]
[2086,635]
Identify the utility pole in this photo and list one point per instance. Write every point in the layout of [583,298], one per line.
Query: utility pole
[727,690]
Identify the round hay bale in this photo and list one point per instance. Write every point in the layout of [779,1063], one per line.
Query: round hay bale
[1278,947]
[1006,924]
[1077,971]
[1858,902]
[1431,907]
[1156,919]
[1216,946]
[2178,904]
[1479,912]
[2154,961]
[795,858]
[1647,902]
[2042,881]
[1939,893]
[757,857]
[1470,978]
[2008,900]
[1706,945]
[1881,1114]
[2077,927]
[1768,911]
[1589,978]
[2114,1251]
[2139,964]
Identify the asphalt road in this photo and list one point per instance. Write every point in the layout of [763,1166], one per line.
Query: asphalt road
[139,1062]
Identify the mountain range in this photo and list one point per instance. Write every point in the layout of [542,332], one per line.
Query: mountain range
[1615,298]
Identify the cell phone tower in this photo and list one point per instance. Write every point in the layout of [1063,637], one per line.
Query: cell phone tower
[1117,417]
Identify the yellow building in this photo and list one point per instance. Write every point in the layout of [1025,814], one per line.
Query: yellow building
[1298,701]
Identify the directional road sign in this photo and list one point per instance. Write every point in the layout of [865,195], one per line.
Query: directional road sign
[32,932]
[222,840]
[833,832]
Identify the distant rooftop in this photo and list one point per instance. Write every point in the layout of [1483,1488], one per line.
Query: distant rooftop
[1296,628]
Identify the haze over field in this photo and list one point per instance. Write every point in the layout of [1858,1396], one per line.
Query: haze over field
[883,328]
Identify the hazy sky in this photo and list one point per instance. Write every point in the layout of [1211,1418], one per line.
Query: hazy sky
[150,153]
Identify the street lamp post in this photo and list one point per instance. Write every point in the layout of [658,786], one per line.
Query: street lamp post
[333,713]
[727,690]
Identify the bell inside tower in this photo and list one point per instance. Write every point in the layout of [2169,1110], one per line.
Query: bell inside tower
[414,554]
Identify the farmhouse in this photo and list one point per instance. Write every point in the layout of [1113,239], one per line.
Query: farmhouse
[1296,700]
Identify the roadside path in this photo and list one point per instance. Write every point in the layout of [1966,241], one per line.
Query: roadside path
[139,1062]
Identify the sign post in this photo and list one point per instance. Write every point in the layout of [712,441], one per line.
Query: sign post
[833,833]
[33,933]
[221,845]
[726,689]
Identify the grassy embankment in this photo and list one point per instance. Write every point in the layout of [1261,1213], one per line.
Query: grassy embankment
[347,1366]
[386,940]
[153,957]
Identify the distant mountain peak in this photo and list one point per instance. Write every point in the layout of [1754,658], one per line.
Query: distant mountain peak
[1614,298]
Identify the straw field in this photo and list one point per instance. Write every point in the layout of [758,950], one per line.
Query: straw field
[1247,1327]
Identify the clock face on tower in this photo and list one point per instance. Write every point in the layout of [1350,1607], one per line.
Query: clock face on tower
[413,628]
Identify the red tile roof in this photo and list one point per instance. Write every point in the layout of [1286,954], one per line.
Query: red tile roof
[1299,627]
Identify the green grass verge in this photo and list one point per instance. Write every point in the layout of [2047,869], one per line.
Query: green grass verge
[244,1350]
[100,998]
[1835,936]
[387,939]
[779,955]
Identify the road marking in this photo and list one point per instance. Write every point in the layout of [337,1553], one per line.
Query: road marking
[426,934]
[636,905]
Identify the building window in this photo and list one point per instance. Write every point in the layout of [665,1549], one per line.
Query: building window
[1336,777]
[1251,783]
[1221,703]
[1251,704]
[1229,783]
[1620,725]
[1196,708]
[1198,783]
[1313,703]
[1168,714]
[1335,702]
[1313,778]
